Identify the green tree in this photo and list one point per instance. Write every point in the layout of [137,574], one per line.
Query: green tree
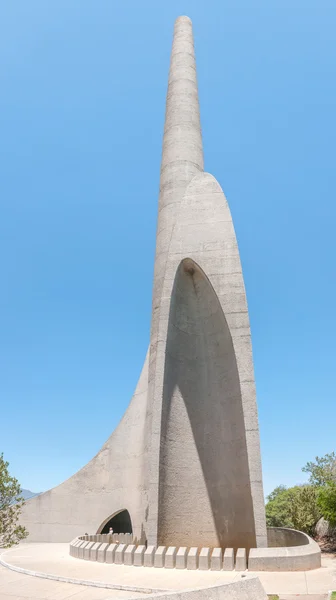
[11,503]
[326,501]
[294,507]
[323,478]
[304,509]
[278,508]
[322,471]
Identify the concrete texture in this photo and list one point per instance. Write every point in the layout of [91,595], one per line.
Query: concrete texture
[216,563]
[246,589]
[149,556]
[87,550]
[241,561]
[191,430]
[204,559]
[119,554]
[19,586]
[101,553]
[159,556]
[192,559]
[129,554]
[279,537]
[170,557]
[291,558]
[139,556]
[228,560]
[53,561]
[181,558]
[110,553]
[94,551]
[81,549]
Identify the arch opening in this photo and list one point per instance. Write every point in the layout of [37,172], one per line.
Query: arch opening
[120,523]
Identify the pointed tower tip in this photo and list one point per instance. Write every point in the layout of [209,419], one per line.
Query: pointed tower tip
[183,19]
[182,152]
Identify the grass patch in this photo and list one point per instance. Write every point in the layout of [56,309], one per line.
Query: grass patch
[276,597]
[333,596]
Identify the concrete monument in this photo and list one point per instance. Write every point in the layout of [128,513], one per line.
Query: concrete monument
[183,467]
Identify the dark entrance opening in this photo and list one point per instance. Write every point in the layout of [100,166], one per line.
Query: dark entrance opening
[120,523]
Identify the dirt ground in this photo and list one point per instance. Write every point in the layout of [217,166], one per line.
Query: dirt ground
[328,546]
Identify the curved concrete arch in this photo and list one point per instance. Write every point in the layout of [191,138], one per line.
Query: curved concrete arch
[112,517]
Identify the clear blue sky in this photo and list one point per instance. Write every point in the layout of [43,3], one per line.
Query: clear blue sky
[82,101]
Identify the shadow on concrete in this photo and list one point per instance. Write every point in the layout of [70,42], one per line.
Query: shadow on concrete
[204,490]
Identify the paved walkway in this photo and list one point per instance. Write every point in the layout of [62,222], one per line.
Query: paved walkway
[54,559]
[16,586]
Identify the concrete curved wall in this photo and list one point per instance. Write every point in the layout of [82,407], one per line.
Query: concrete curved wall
[300,552]
[203,459]
[103,548]
[278,537]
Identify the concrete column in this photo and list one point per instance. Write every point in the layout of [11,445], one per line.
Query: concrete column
[139,556]
[182,158]
[73,545]
[101,554]
[228,561]
[170,557]
[241,559]
[160,556]
[119,554]
[149,556]
[87,550]
[129,554]
[204,559]
[181,558]
[216,559]
[81,548]
[192,560]
[110,553]
[94,551]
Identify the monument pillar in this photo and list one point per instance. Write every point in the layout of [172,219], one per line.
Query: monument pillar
[204,471]
[184,462]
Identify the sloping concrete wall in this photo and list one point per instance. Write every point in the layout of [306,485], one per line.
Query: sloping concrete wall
[110,482]
[245,589]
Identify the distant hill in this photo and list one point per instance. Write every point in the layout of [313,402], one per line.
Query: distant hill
[26,494]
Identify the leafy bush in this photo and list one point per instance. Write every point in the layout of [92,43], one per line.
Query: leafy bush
[323,471]
[326,501]
[323,478]
[10,507]
[300,507]
[294,507]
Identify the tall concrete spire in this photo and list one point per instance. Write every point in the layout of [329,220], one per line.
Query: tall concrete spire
[182,152]
[183,466]
[182,159]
